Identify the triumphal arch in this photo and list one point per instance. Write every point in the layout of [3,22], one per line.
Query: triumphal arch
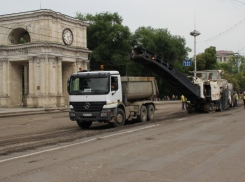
[38,52]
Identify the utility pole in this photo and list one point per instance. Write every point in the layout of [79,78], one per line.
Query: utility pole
[195,33]
[238,61]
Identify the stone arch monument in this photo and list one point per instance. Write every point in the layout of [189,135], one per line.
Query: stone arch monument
[38,52]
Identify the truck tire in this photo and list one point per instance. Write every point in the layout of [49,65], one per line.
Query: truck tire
[143,114]
[84,124]
[150,112]
[119,119]
[220,106]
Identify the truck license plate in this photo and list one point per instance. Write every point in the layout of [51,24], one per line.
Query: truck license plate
[87,114]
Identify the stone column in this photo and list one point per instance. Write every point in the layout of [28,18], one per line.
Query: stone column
[30,99]
[5,77]
[43,75]
[85,36]
[79,64]
[59,76]
[51,62]
[31,76]
[1,79]
[85,63]
[4,95]
[60,98]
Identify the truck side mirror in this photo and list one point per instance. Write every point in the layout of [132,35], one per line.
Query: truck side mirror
[113,92]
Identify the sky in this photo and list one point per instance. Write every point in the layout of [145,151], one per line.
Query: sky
[220,22]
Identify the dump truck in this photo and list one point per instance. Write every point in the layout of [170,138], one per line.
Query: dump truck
[105,96]
[206,91]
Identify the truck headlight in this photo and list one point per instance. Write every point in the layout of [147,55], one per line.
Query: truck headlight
[103,114]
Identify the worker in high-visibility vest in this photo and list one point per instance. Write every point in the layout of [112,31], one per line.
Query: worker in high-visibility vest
[244,98]
[183,101]
[236,99]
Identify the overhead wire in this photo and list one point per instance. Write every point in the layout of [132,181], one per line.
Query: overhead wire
[239,1]
[229,29]
[232,28]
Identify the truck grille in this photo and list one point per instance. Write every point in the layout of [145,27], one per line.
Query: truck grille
[87,106]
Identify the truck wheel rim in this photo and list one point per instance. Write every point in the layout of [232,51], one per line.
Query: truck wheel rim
[119,118]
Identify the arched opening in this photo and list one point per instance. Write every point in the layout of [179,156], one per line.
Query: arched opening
[19,36]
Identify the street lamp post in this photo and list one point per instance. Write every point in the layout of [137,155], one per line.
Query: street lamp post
[238,62]
[195,33]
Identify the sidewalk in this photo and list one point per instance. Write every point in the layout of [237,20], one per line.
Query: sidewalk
[22,111]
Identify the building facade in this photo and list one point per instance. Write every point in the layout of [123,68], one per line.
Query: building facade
[38,52]
[224,56]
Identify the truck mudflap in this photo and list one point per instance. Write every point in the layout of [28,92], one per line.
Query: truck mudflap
[104,115]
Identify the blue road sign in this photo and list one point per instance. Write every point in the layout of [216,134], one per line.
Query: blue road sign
[187,63]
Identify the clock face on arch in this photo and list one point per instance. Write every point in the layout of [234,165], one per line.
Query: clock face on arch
[67,36]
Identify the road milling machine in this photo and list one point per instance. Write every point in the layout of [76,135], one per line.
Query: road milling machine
[206,92]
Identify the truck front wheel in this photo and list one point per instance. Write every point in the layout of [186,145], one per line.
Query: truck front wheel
[84,124]
[119,119]
[143,114]
[150,112]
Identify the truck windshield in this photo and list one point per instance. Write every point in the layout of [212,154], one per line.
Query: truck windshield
[91,86]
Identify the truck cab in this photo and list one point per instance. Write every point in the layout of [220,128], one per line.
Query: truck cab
[94,96]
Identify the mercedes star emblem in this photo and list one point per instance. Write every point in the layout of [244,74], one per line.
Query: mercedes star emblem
[86,105]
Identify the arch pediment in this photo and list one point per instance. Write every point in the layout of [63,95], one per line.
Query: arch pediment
[42,26]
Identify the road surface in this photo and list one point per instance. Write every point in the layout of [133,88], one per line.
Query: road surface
[176,146]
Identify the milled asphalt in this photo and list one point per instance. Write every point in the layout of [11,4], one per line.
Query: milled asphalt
[22,111]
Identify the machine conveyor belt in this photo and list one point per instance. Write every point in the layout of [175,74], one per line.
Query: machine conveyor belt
[167,72]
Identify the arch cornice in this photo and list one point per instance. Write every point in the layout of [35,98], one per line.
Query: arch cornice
[43,44]
[36,49]
[42,14]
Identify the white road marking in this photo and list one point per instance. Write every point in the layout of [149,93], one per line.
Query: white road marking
[65,146]
[181,119]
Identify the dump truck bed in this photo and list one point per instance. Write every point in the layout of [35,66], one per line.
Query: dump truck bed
[136,88]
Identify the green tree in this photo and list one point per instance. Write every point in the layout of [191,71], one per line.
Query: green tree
[225,66]
[108,39]
[170,47]
[207,60]
[237,79]
[160,41]
[112,42]
[201,62]
[233,64]
[231,72]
